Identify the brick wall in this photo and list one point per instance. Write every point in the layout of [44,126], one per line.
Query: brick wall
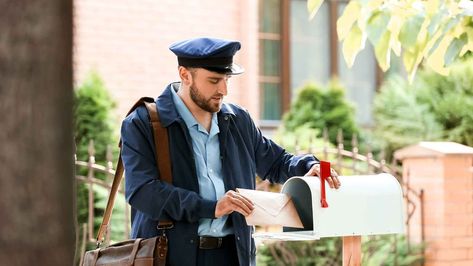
[126,42]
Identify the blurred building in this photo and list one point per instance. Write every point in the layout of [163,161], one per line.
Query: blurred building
[126,42]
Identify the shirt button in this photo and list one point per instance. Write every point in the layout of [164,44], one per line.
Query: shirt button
[226,118]
[238,238]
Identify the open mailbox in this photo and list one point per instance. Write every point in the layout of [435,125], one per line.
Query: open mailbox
[363,205]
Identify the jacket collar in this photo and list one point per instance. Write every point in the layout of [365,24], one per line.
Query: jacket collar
[167,110]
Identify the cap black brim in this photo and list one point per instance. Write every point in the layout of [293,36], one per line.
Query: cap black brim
[233,69]
[236,69]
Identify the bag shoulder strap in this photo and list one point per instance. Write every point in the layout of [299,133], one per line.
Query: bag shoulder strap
[163,162]
[160,135]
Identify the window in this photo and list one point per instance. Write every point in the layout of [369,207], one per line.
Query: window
[310,45]
[294,50]
[270,60]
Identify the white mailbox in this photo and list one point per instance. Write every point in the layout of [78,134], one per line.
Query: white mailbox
[363,205]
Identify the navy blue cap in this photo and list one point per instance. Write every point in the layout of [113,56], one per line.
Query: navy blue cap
[209,53]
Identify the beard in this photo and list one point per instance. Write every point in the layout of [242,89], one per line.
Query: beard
[205,104]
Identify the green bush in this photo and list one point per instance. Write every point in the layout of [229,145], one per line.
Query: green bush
[400,119]
[320,108]
[434,107]
[450,99]
[376,251]
[93,120]
[303,137]
[327,251]
[93,108]
[391,250]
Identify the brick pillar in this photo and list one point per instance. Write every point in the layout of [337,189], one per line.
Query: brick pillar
[444,171]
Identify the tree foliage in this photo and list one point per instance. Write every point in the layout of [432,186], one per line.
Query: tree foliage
[435,31]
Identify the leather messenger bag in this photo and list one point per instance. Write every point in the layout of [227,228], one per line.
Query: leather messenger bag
[138,252]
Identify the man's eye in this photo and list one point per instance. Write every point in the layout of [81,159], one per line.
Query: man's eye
[213,81]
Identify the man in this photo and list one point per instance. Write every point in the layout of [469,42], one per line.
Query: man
[215,148]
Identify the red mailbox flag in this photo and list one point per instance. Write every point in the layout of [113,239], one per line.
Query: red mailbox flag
[324,173]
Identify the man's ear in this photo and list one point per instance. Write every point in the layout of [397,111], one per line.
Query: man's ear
[185,75]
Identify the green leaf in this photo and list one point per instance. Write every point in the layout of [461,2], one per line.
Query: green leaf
[313,6]
[383,51]
[354,43]
[469,45]
[446,27]
[409,59]
[410,31]
[436,60]
[454,49]
[435,21]
[377,26]
[347,19]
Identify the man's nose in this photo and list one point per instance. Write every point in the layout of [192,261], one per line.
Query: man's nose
[223,87]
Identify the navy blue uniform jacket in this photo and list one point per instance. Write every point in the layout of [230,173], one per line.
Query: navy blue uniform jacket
[245,153]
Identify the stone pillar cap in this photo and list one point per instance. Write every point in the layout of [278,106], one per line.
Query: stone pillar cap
[433,149]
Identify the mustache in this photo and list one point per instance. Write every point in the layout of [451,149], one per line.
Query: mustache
[217,95]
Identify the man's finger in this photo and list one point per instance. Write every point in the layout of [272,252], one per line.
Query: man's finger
[314,170]
[336,181]
[238,204]
[330,182]
[242,211]
[333,172]
[246,201]
[238,208]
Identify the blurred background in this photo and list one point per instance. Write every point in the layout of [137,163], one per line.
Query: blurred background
[297,86]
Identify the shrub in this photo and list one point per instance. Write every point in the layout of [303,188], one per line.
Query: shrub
[320,108]
[93,118]
[391,250]
[327,251]
[450,100]
[434,107]
[303,137]
[400,119]
[376,251]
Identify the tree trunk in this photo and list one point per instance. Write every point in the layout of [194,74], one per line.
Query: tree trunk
[36,161]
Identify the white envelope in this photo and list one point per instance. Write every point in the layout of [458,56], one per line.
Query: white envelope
[271,209]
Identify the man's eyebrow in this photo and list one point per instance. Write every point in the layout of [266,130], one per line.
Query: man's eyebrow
[215,78]
[219,77]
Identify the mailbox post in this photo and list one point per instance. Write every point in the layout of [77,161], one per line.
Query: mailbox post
[363,205]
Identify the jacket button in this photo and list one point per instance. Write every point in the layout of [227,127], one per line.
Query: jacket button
[238,238]
[192,241]
[226,117]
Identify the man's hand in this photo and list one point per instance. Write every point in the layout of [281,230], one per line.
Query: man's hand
[332,179]
[233,201]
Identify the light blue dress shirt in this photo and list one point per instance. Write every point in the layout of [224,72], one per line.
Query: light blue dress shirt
[206,148]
